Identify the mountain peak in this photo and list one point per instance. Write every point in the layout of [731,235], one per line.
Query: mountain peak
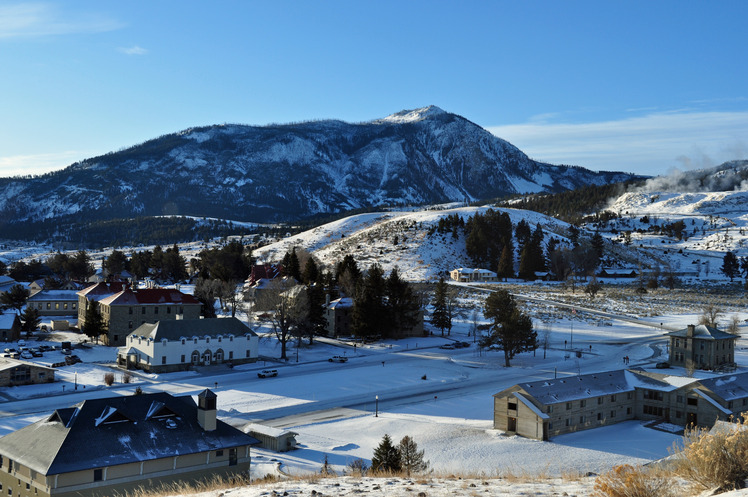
[411,116]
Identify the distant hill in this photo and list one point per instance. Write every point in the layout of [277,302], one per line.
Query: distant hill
[289,172]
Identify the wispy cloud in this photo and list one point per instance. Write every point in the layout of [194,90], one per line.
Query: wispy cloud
[133,50]
[649,144]
[28,20]
[39,163]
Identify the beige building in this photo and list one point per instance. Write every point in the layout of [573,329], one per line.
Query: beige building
[702,346]
[14,372]
[103,447]
[126,310]
[546,408]
[338,314]
[467,275]
[54,302]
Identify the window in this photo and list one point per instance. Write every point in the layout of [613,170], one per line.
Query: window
[582,403]
[163,359]
[550,425]
[247,353]
[612,414]
[582,419]
[599,416]
[729,405]
[183,341]
[568,421]
[568,406]
[693,402]
[612,398]
[49,305]
[129,310]
[10,465]
[678,414]
[512,406]
[98,474]
[65,306]
[155,310]
[168,309]
[129,324]
[219,453]
[628,411]
[599,401]
[73,306]
[231,354]
[629,395]
[679,399]
[550,409]
[142,310]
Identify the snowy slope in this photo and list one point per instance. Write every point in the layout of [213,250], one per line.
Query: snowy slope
[294,171]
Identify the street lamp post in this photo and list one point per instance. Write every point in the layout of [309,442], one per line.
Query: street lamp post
[376,409]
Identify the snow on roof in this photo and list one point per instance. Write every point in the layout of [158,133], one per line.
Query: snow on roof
[532,407]
[703,332]
[266,430]
[71,295]
[712,401]
[342,302]
[7,320]
[734,386]
[571,388]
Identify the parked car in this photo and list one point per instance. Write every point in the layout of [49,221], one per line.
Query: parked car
[448,346]
[72,359]
[26,354]
[10,350]
[267,373]
[338,358]
[464,344]
[662,365]
[21,343]
[36,353]
[66,351]
[44,348]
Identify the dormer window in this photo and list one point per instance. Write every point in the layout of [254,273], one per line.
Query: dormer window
[111,416]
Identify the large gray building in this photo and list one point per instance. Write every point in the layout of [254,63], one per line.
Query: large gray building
[545,408]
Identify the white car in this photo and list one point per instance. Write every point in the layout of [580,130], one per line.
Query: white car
[267,373]
[338,358]
[26,355]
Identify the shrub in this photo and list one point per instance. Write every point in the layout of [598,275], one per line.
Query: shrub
[630,481]
[109,379]
[127,377]
[714,459]
[357,467]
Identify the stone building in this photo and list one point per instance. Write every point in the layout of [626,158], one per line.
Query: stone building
[54,302]
[702,347]
[128,309]
[14,372]
[545,408]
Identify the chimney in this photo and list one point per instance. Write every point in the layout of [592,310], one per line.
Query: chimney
[327,299]
[689,331]
[206,410]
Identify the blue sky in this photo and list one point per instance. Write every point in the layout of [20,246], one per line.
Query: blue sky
[636,86]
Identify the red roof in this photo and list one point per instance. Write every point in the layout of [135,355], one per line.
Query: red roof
[150,296]
[263,271]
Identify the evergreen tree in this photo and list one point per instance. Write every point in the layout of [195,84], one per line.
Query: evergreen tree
[157,262]
[311,272]
[293,268]
[730,265]
[522,234]
[116,262]
[79,266]
[205,293]
[511,330]
[140,264]
[440,318]
[15,298]
[94,325]
[402,304]
[411,459]
[525,265]
[30,320]
[386,457]
[317,319]
[369,317]
[598,244]
[506,263]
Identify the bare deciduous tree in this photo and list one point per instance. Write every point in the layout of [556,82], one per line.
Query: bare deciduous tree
[288,306]
[709,315]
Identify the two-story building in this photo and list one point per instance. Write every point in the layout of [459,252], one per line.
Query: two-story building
[126,310]
[176,345]
[701,347]
[467,275]
[116,445]
[546,408]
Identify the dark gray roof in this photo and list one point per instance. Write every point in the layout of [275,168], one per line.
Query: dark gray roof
[116,430]
[585,386]
[728,387]
[703,332]
[175,329]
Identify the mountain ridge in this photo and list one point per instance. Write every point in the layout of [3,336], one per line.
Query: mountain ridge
[289,172]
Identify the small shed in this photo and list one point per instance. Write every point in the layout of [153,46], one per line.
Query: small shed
[271,438]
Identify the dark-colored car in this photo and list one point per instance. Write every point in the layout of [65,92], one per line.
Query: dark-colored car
[72,359]
[662,365]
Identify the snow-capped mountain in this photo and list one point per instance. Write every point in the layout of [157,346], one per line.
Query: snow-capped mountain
[292,171]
